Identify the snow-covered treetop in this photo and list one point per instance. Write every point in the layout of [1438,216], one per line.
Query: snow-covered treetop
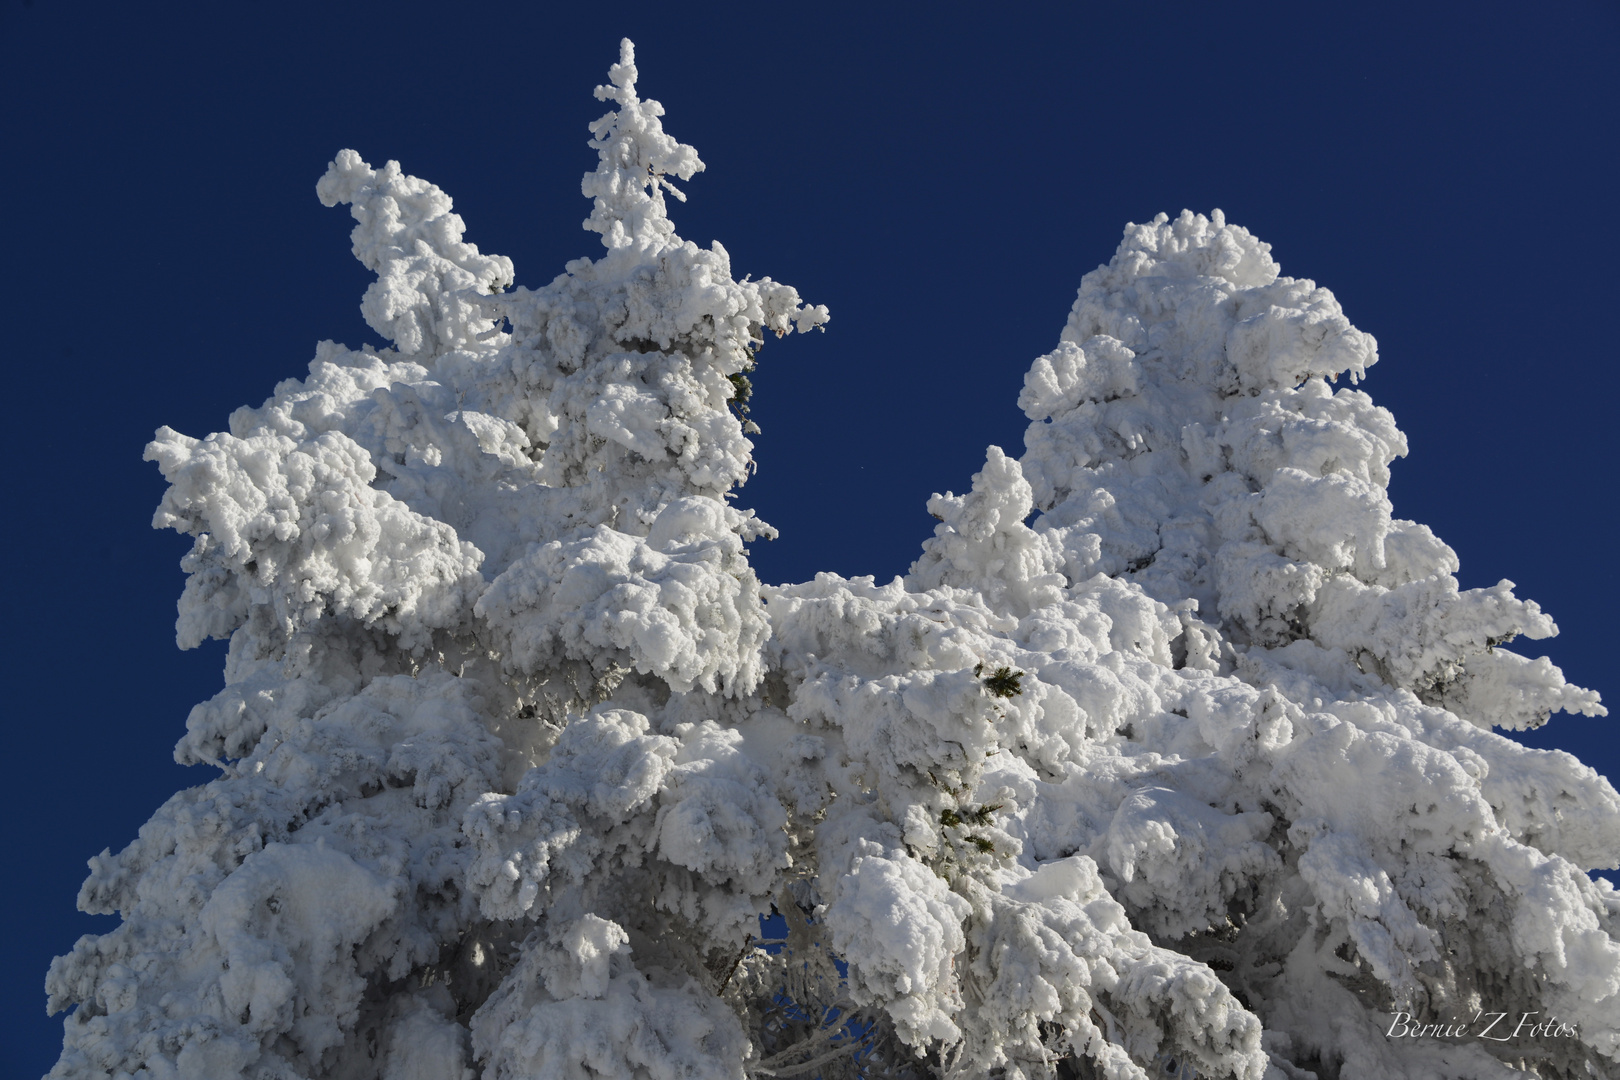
[1187,436]
[597,414]
[1173,747]
[637,161]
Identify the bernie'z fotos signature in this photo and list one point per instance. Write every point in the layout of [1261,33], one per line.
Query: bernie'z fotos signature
[1495,1026]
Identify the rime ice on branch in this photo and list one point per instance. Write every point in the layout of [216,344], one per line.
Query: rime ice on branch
[514,749]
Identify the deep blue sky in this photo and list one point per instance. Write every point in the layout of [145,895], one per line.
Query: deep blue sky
[940,180]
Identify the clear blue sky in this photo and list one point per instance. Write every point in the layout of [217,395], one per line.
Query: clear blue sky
[941,181]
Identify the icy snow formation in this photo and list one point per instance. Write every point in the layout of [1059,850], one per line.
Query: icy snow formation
[514,749]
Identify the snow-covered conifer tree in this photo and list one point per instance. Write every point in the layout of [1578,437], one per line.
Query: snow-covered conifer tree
[1194,773]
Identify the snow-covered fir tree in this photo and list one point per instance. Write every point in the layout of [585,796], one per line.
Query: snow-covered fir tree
[1193,775]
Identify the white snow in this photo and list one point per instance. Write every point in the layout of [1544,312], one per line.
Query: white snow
[1174,741]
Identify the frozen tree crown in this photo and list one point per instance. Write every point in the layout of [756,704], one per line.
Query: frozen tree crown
[637,161]
[1174,746]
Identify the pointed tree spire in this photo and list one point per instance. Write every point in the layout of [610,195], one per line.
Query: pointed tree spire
[637,160]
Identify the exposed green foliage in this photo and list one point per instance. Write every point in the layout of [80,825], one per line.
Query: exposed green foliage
[1002,682]
[742,388]
[951,818]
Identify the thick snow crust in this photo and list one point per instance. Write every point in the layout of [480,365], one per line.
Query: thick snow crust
[514,749]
